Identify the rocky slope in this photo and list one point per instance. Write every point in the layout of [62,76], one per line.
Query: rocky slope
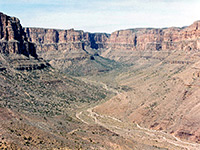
[160,87]
[164,93]
[71,51]
[35,105]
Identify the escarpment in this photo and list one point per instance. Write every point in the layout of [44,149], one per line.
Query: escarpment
[71,51]
[174,38]
[15,48]
[52,39]
[13,38]
[155,74]
[157,39]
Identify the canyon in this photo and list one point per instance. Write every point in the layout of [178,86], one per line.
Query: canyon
[70,89]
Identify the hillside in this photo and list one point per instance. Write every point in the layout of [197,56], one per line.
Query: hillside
[39,105]
[67,89]
[36,99]
[71,51]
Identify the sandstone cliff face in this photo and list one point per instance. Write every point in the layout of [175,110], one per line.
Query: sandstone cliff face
[130,39]
[51,39]
[156,39]
[13,38]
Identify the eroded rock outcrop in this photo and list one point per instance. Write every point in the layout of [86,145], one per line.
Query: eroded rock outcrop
[13,41]
[13,38]
[173,38]
[157,39]
[52,39]
[71,51]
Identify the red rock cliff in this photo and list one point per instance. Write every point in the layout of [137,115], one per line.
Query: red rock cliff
[13,38]
[130,39]
[157,39]
[51,39]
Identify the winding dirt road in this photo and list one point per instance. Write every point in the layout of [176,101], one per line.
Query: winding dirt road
[153,135]
[162,136]
[156,135]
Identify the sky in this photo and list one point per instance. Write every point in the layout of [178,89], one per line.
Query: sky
[102,15]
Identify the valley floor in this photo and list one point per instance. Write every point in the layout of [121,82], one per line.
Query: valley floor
[133,131]
[157,100]
[147,104]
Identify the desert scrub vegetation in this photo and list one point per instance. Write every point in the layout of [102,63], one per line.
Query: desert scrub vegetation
[45,91]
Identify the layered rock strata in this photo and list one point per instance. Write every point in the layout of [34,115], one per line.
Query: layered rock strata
[13,41]
[173,38]
[13,38]
[157,39]
[52,39]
